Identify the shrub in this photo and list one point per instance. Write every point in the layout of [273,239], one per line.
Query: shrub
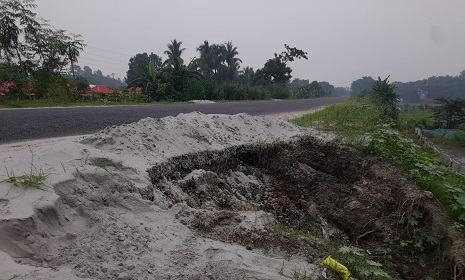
[139,98]
[58,91]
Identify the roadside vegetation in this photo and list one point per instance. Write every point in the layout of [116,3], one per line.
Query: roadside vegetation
[369,123]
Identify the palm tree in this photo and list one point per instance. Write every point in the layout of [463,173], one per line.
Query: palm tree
[206,59]
[177,76]
[174,51]
[232,62]
[246,75]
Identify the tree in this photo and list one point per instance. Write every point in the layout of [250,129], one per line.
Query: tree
[175,79]
[360,85]
[98,78]
[327,87]
[174,51]
[232,62]
[297,83]
[218,62]
[384,95]
[81,83]
[208,60]
[31,42]
[138,67]
[40,51]
[276,70]
[450,112]
[246,75]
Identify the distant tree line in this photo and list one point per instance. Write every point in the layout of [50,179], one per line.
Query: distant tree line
[447,92]
[413,92]
[216,74]
[97,77]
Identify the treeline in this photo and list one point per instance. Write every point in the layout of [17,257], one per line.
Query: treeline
[97,77]
[216,74]
[413,92]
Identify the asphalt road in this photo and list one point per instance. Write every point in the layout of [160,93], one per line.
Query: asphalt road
[28,124]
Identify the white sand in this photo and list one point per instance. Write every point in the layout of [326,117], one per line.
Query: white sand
[90,221]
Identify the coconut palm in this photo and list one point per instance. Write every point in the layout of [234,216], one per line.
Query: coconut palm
[230,53]
[246,75]
[206,61]
[174,51]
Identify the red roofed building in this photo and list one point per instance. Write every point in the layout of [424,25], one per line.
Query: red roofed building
[102,89]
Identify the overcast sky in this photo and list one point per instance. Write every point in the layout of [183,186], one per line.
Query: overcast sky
[345,40]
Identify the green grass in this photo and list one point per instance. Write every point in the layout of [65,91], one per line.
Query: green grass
[361,125]
[412,119]
[34,179]
[416,115]
[350,120]
[296,233]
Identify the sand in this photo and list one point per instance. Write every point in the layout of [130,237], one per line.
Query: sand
[92,219]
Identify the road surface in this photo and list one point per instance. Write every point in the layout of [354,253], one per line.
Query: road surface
[29,124]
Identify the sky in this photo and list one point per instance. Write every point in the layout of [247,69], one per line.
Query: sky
[345,40]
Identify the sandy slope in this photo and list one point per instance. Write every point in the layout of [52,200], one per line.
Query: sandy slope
[93,219]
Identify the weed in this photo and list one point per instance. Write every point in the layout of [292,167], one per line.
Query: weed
[360,266]
[297,275]
[35,178]
[296,233]
[103,163]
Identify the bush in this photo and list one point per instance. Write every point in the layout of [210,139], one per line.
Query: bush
[139,98]
[195,90]
[58,91]
[212,90]
[234,91]
[278,91]
[257,93]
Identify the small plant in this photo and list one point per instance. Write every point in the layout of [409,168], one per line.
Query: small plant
[34,179]
[360,266]
[295,233]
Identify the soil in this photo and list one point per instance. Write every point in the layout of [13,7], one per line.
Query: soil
[334,193]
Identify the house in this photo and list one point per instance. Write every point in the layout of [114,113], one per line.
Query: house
[101,90]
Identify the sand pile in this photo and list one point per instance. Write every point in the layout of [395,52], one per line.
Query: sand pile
[98,216]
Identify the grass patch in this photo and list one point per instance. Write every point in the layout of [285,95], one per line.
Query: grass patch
[411,119]
[35,178]
[296,233]
[416,116]
[350,120]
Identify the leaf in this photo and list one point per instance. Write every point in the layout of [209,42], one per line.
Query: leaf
[373,263]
